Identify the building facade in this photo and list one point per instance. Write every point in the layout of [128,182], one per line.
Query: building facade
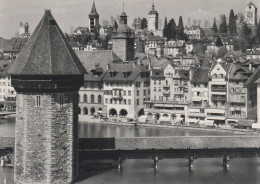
[153,19]
[250,14]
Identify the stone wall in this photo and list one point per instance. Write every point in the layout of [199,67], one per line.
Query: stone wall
[46,138]
[119,48]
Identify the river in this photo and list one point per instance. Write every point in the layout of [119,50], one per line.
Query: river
[205,171]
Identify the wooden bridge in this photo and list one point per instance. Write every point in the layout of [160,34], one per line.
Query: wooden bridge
[157,148]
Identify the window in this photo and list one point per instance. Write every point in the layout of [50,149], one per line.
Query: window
[106,100]
[92,99]
[124,93]
[129,93]
[154,89]
[221,76]
[124,101]
[159,81]
[148,91]
[232,90]
[159,89]
[137,93]
[137,102]
[144,92]
[129,101]
[154,98]
[99,99]
[38,101]
[137,84]
[85,98]
[111,101]
[154,82]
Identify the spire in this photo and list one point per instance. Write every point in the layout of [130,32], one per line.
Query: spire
[94,10]
[47,52]
[153,6]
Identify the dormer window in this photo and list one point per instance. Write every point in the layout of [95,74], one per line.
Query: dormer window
[112,73]
[126,73]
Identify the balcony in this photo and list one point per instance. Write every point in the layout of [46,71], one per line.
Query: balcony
[117,97]
[222,98]
[196,114]
[218,89]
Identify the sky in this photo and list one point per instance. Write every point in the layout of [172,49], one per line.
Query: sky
[73,13]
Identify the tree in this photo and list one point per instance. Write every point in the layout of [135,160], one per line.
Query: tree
[215,27]
[199,22]
[171,27]
[165,28]
[200,49]
[246,33]
[137,23]
[223,25]
[219,42]
[189,21]
[221,52]
[194,22]
[144,23]
[232,26]
[180,32]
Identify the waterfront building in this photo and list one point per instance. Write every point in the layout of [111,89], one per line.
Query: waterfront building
[194,32]
[218,92]
[153,19]
[93,19]
[126,86]
[170,93]
[199,96]
[237,98]
[91,95]
[123,40]
[46,76]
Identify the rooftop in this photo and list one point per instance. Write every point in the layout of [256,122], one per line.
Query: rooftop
[94,10]
[47,52]
[201,76]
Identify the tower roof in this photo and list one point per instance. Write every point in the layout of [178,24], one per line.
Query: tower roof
[251,4]
[47,52]
[93,10]
[153,11]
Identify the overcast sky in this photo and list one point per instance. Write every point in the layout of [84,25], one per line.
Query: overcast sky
[72,13]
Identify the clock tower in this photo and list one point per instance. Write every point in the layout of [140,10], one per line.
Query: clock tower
[251,14]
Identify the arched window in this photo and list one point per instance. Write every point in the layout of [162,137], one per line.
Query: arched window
[79,110]
[85,110]
[92,111]
[85,98]
[92,99]
[99,99]
[221,76]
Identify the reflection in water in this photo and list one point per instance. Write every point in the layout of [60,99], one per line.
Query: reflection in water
[242,170]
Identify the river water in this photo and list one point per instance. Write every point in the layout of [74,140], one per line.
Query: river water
[205,171]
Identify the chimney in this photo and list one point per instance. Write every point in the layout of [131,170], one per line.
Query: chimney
[250,66]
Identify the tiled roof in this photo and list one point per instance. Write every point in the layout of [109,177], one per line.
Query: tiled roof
[4,67]
[254,52]
[235,54]
[47,52]
[251,4]
[14,44]
[157,74]
[119,68]
[254,78]
[153,11]
[201,76]
[102,58]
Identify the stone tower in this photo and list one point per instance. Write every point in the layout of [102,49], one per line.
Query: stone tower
[153,18]
[93,18]
[46,76]
[251,14]
[123,40]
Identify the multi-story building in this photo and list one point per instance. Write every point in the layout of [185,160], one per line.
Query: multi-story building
[126,87]
[170,93]
[218,92]
[194,32]
[237,98]
[91,95]
[253,54]
[154,45]
[174,48]
[153,19]
[199,96]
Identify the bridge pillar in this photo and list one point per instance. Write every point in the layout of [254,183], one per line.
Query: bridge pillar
[191,159]
[226,161]
[155,163]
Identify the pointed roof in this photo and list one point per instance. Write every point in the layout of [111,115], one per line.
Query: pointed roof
[47,52]
[94,10]
[153,11]
[251,4]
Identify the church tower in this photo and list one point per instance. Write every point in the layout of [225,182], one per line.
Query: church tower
[93,18]
[153,18]
[46,76]
[123,40]
[251,14]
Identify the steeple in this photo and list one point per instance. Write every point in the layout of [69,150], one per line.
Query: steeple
[94,10]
